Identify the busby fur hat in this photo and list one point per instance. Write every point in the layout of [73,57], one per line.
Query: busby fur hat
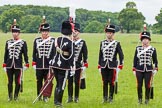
[77,26]
[110,28]
[66,28]
[145,34]
[44,27]
[15,28]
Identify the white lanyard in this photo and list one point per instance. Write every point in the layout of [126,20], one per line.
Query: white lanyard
[44,41]
[76,42]
[14,43]
[108,45]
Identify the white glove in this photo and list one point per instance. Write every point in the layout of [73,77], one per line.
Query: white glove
[117,70]
[34,67]
[24,68]
[83,75]
[83,68]
[154,72]
[72,73]
[5,70]
[134,72]
[99,70]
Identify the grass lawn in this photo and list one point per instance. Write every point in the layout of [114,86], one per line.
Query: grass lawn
[91,97]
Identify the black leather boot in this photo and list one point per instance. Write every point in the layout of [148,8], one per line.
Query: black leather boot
[10,89]
[140,101]
[111,93]
[105,93]
[76,99]
[55,96]
[10,97]
[105,99]
[58,97]
[70,99]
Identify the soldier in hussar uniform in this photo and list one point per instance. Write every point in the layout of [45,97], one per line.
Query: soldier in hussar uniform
[107,64]
[13,62]
[144,58]
[43,51]
[63,61]
[81,55]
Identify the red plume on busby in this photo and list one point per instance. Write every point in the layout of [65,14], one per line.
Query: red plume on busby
[14,27]
[145,34]
[44,26]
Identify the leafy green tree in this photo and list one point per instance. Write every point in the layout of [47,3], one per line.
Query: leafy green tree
[131,5]
[29,17]
[30,23]
[157,27]
[130,18]
[85,17]
[94,27]
[7,17]
[55,20]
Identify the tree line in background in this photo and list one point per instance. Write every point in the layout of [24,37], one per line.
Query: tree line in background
[29,17]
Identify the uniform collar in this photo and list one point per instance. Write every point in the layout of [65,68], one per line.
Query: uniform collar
[45,38]
[109,40]
[76,38]
[145,46]
[16,39]
[66,37]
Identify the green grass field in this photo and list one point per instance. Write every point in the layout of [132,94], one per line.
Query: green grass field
[91,97]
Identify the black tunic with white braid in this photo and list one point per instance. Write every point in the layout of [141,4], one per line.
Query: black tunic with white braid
[81,53]
[64,56]
[145,61]
[108,55]
[42,53]
[14,52]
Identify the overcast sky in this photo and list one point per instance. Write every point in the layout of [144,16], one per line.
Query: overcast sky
[149,8]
